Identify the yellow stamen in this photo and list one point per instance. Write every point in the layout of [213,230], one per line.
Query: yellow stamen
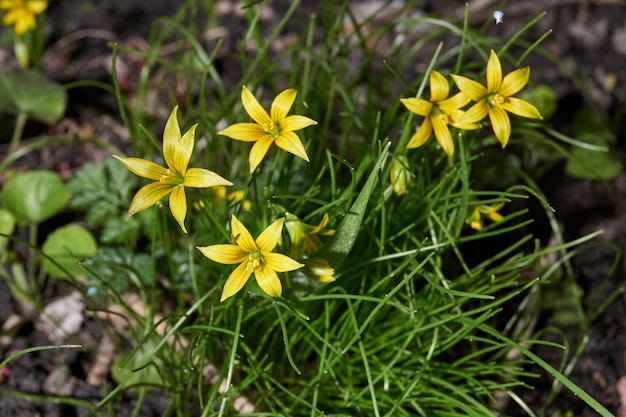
[255,260]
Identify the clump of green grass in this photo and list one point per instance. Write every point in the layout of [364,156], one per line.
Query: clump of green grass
[387,308]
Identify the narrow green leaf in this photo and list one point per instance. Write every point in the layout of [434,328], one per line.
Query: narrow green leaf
[346,233]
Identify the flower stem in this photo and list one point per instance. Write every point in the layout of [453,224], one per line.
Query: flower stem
[20,122]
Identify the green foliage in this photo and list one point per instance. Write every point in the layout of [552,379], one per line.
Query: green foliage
[29,92]
[65,248]
[116,269]
[589,128]
[34,196]
[103,193]
[426,315]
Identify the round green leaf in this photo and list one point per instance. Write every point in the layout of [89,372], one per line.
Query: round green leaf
[34,196]
[68,245]
[27,91]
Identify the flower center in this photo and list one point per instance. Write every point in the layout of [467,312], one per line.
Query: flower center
[273,129]
[497,99]
[172,178]
[255,260]
[442,116]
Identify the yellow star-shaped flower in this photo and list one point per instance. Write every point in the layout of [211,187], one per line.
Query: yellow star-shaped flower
[475,219]
[439,112]
[21,13]
[253,256]
[172,180]
[275,127]
[318,269]
[496,99]
[304,237]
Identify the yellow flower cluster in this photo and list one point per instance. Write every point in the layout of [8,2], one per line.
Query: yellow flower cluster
[495,99]
[253,256]
[21,13]
[257,256]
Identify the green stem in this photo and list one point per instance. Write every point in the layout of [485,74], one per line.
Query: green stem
[20,121]
[33,283]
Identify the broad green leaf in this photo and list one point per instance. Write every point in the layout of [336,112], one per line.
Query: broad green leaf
[346,233]
[590,128]
[588,164]
[593,165]
[67,246]
[28,91]
[34,196]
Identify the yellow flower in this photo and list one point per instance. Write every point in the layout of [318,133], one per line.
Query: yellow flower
[475,218]
[438,113]
[269,128]
[220,197]
[318,269]
[304,236]
[177,151]
[496,99]
[253,256]
[21,13]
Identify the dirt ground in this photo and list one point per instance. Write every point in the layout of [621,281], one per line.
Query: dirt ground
[588,39]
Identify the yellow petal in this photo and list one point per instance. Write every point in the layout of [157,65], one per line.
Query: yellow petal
[247,132]
[203,178]
[183,151]
[501,124]
[495,217]
[293,123]
[320,228]
[178,206]
[290,142]
[466,123]
[224,254]
[268,239]
[521,108]
[514,81]
[455,102]
[417,105]
[147,196]
[253,108]
[143,168]
[24,22]
[494,72]
[421,136]
[171,138]
[258,152]
[235,281]
[475,114]
[474,90]
[268,281]
[241,236]
[442,133]
[439,88]
[281,263]
[282,104]
[36,6]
